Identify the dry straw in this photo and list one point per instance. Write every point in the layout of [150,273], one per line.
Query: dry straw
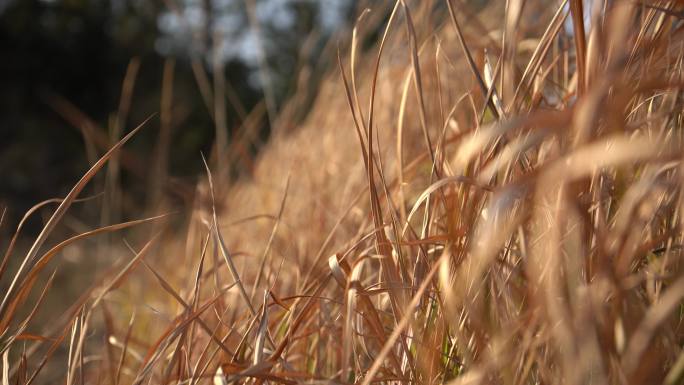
[499,192]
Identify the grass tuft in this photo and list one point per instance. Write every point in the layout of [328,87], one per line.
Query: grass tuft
[505,209]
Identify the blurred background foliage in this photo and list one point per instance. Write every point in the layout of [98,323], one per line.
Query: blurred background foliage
[64,63]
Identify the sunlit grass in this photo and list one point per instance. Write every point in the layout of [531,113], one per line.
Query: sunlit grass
[476,198]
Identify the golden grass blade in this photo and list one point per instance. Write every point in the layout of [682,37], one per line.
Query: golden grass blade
[490,82]
[417,81]
[172,333]
[124,350]
[348,279]
[269,244]
[20,226]
[401,117]
[577,12]
[261,333]
[222,246]
[5,367]
[438,185]
[474,143]
[654,317]
[353,285]
[196,292]
[331,234]
[61,209]
[509,46]
[545,43]
[610,151]
[369,376]
[298,320]
[51,350]
[24,324]
[352,58]
[76,359]
[199,375]
[676,374]
[376,212]
[382,245]
[254,371]
[187,308]
[469,58]
[31,277]
[510,153]
[211,357]
[337,272]
[220,378]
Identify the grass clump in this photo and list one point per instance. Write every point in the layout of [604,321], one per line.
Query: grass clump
[480,197]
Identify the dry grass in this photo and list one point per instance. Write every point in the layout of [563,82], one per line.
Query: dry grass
[477,198]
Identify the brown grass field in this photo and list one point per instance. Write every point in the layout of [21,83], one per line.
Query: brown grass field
[474,197]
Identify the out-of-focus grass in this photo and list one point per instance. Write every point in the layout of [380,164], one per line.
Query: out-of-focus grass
[488,197]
